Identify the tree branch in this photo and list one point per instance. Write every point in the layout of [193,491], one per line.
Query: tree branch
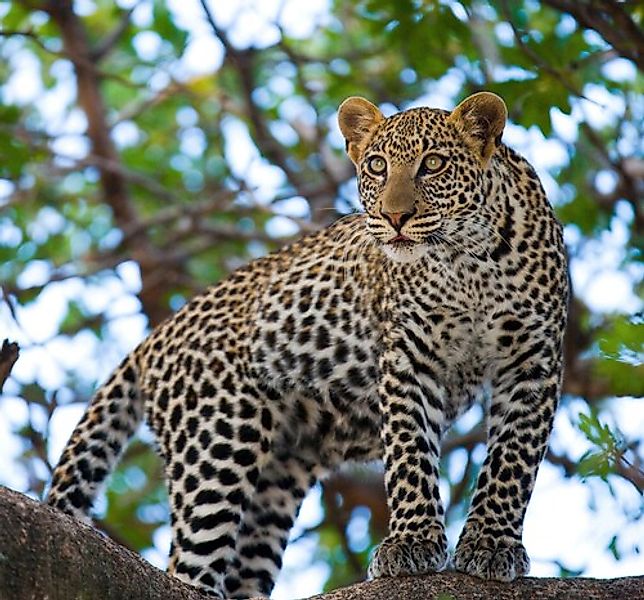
[46,554]
[609,19]
[453,586]
[9,353]
[91,101]
[539,62]
[113,183]
[630,471]
[108,43]
[244,62]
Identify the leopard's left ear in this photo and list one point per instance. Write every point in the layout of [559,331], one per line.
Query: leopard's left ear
[358,118]
[481,119]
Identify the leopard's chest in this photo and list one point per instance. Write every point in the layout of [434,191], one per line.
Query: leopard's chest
[331,337]
[444,341]
[317,338]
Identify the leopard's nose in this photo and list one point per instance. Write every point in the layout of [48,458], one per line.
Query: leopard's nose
[398,219]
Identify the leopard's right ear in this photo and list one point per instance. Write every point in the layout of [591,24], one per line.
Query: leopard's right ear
[480,120]
[358,119]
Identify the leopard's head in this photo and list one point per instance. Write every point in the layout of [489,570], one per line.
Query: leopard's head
[420,172]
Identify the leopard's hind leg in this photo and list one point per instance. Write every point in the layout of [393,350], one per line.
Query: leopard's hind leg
[213,469]
[266,524]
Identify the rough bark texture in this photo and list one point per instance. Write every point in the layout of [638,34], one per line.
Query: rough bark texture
[45,554]
[456,586]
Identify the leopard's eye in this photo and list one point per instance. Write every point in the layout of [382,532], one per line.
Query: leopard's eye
[432,163]
[377,165]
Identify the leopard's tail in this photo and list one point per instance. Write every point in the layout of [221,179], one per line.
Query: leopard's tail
[111,418]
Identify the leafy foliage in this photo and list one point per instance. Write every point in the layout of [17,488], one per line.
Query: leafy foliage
[602,461]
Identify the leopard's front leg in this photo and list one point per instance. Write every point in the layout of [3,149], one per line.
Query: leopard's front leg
[412,419]
[521,415]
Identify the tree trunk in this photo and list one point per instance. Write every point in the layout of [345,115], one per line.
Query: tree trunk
[45,554]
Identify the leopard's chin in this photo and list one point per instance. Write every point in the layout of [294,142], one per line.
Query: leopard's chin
[405,252]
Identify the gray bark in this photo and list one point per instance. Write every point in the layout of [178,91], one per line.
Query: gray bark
[45,554]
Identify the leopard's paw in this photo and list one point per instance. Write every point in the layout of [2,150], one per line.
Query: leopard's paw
[489,557]
[408,554]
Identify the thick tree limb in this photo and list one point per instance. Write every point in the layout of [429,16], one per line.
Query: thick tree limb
[113,184]
[46,554]
[455,586]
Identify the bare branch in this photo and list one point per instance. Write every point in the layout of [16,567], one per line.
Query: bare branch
[538,61]
[110,41]
[9,353]
[113,184]
[611,21]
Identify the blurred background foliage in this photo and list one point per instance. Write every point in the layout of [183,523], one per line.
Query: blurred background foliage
[147,148]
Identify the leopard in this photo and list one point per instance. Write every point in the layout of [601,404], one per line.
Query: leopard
[363,341]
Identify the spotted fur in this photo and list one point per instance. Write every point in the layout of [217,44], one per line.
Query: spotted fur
[363,341]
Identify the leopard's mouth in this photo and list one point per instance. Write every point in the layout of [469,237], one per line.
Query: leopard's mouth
[400,240]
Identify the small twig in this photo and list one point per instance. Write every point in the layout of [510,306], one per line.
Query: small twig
[15,32]
[33,36]
[112,38]
[88,64]
[610,20]
[9,353]
[538,60]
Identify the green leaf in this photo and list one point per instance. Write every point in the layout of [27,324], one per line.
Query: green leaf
[127,494]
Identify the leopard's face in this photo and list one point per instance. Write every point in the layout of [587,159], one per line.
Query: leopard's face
[417,167]
[421,172]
